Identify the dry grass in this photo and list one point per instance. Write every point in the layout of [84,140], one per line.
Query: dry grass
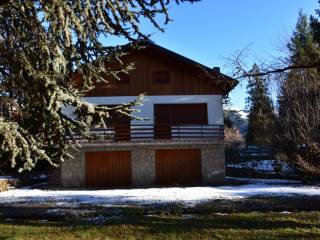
[4,184]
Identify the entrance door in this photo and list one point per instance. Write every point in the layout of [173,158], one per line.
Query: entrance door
[122,129]
[121,125]
[162,125]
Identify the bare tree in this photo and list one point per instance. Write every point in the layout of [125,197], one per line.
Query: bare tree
[298,75]
[299,115]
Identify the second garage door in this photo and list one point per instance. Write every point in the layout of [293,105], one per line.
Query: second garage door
[178,166]
[108,169]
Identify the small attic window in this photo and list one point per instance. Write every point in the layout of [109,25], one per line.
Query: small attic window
[160,77]
[124,78]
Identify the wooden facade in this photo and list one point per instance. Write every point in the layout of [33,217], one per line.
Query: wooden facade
[159,71]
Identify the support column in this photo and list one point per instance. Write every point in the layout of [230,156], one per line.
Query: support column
[143,167]
[213,163]
[73,170]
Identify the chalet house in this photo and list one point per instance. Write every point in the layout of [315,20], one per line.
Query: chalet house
[181,140]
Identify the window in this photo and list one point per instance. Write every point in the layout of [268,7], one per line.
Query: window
[175,114]
[161,77]
[124,78]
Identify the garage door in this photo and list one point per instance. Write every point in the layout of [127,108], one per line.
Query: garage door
[108,169]
[178,166]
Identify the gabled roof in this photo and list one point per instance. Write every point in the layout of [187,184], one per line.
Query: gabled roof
[214,74]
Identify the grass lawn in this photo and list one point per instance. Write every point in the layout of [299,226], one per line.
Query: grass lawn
[269,225]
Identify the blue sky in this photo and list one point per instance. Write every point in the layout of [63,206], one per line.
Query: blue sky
[211,31]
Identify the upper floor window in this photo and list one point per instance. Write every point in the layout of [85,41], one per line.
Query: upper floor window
[160,77]
[124,78]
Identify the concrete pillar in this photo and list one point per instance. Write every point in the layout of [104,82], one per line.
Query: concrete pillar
[73,170]
[213,163]
[143,167]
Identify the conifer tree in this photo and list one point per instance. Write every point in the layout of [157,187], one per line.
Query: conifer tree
[261,118]
[42,44]
[299,100]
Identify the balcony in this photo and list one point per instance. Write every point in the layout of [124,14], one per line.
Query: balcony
[155,133]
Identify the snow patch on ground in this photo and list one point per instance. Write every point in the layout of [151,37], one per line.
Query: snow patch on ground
[6,178]
[264,165]
[146,196]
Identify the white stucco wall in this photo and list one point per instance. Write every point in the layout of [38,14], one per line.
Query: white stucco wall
[214,103]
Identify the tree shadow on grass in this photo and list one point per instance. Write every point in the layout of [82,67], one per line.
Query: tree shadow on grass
[274,223]
[251,221]
[170,219]
[219,222]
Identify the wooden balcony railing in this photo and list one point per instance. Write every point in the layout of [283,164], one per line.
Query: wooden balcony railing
[150,132]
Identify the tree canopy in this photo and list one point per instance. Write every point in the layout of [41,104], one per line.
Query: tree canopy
[261,118]
[299,101]
[42,44]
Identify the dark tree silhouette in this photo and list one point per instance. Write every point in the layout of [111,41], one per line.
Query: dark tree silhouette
[42,44]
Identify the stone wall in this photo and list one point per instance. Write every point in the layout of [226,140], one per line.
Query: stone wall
[212,163]
[73,170]
[143,161]
[143,167]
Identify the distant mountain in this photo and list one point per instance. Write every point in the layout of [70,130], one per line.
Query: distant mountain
[238,118]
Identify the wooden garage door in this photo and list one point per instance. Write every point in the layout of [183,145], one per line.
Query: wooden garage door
[108,169]
[178,166]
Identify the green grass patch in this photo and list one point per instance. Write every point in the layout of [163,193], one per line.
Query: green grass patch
[298,225]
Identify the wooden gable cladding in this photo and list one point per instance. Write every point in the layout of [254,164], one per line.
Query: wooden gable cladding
[184,79]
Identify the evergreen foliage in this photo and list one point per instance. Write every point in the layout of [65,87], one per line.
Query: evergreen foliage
[261,118]
[303,46]
[44,43]
[299,100]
